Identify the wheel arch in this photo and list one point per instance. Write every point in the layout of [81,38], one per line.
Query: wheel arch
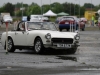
[36,38]
[9,37]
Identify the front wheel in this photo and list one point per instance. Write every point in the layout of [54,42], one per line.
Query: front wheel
[83,29]
[38,46]
[72,51]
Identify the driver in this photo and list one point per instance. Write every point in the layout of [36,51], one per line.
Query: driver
[23,26]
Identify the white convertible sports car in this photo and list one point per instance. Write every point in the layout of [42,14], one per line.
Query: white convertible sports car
[39,36]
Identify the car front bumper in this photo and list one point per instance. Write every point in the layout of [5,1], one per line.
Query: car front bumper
[61,46]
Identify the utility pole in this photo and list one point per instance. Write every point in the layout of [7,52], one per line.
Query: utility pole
[22,9]
[15,10]
[74,9]
[91,5]
[41,7]
[79,8]
[50,4]
[70,8]
[79,14]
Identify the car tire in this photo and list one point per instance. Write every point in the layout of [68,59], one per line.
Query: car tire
[60,29]
[83,29]
[72,51]
[1,22]
[38,46]
[67,29]
[10,45]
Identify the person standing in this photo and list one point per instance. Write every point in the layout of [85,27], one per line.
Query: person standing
[93,19]
[28,18]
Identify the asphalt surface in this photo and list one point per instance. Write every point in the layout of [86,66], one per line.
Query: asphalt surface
[86,61]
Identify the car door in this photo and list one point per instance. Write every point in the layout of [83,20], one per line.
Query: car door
[21,36]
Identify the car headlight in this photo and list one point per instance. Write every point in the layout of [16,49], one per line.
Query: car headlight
[48,36]
[77,37]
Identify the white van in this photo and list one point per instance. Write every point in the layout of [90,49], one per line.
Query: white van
[7,18]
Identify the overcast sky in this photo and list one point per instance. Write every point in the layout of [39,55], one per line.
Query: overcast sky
[95,2]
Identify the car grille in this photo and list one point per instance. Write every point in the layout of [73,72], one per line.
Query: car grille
[62,40]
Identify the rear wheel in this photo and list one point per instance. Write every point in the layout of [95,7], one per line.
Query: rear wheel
[38,46]
[83,29]
[10,45]
[67,29]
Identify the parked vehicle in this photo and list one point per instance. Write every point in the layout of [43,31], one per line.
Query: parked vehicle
[81,24]
[68,22]
[58,19]
[38,36]
[98,18]
[38,18]
[24,18]
[6,17]
[84,20]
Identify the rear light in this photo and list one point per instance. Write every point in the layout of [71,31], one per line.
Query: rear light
[72,22]
[62,22]
[67,22]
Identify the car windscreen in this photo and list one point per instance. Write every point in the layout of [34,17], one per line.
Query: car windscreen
[41,26]
[68,18]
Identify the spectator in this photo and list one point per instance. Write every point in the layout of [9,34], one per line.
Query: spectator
[15,24]
[93,19]
[22,27]
[28,18]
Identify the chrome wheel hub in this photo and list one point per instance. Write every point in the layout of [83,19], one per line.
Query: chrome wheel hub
[9,44]
[38,46]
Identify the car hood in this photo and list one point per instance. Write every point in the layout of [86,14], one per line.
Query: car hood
[56,34]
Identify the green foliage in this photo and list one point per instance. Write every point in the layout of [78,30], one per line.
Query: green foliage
[18,13]
[33,9]
[82,11]
[19,5]
[52,19]
[56,7]
[88,5]
[45,8]
[8,8]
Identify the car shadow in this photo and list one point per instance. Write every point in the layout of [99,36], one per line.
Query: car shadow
[46,52]
[54,52]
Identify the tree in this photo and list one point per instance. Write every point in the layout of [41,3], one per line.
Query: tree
[9,8]
[33,9]
[56,7]
[66,7]
[88,5]
[45,8]
[82,10]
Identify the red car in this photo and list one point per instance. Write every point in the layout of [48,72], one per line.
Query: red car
[81,25]
[84,20]
[67,23]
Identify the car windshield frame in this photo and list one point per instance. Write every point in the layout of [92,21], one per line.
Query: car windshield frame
[41,26]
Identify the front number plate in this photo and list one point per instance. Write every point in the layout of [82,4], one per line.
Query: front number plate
[64,45]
